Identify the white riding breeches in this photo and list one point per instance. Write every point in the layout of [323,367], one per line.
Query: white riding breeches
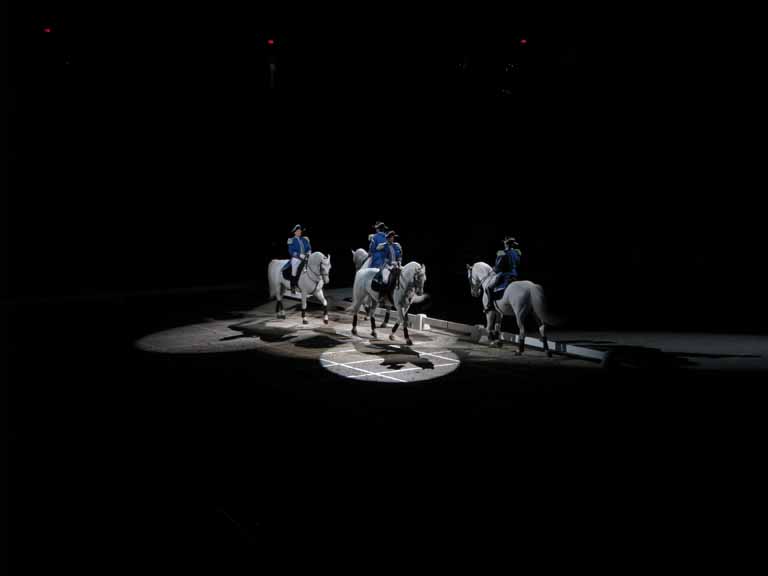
[295,265]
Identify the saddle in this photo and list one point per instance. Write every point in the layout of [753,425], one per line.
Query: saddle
[498,290]
[386,290]
[287,270]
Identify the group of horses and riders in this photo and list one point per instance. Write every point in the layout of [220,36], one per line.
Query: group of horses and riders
[381,279]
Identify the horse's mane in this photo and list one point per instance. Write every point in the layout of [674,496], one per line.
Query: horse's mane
[483,265]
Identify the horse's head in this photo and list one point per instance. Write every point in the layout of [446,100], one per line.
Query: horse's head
[419,279]
[359,257]
[325,269]
[475,283]
[320,265]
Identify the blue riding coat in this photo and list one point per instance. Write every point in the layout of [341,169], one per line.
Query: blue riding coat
[376,250]
[298,246]
[507,262]
[393,254]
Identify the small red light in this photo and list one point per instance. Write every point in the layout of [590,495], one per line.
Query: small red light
[523,41]
[47,30]
[270,42]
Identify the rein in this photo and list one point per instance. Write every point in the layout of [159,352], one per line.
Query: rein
[317,275]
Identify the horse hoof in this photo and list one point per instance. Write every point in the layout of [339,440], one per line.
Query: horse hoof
[325,320]
[354,332]
[374,335]
[409,342]
[305,321]
[391,336]
[384,325]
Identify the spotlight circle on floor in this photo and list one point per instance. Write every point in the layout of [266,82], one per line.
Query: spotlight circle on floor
[390,363]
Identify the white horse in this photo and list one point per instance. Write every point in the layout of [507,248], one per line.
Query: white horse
[361,259]
[409,286]
[313,277]
[520,298]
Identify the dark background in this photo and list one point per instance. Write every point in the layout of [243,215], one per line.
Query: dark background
[147,154]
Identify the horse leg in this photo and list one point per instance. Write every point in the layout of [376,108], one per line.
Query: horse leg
[543,332]
[498,319]
[490,325]
[396,326]
[355,311]
[404,318]
[373,319]
[521,331]
[280,311]
[320,296]
[304,308]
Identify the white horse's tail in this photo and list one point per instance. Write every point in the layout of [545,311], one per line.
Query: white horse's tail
[360,287]
[273,277]
[540,307]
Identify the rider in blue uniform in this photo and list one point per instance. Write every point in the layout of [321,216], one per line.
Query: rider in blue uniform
[299,250]
[376,247]
[393,257]
[507,263]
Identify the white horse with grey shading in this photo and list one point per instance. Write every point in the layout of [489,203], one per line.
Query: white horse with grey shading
[361,259]
[409,287]
[313,277]
[520,298]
